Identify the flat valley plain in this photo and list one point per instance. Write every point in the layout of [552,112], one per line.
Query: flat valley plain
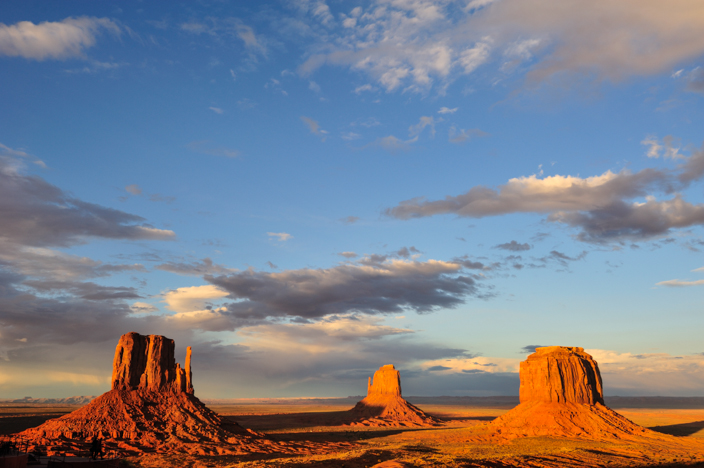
[313,426]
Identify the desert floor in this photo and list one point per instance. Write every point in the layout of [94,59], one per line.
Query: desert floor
[461,442]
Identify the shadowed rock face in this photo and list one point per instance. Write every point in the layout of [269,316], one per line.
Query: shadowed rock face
[147,363]
[387,381]
[561,374]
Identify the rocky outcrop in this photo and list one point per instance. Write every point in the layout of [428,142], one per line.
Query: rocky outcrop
[147,363]
[384,405]
[561,396]
[560,374]
[151,408]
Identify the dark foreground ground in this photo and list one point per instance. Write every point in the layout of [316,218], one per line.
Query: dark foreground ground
[313,426]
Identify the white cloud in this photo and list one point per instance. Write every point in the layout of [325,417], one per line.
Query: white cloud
[313,86]
[217,110]
[470,59]
[280,236]
[193,298]
[233,74]
[460,135]
[446,110]
[670,145]
[699,269]
[474,364]
[55,40]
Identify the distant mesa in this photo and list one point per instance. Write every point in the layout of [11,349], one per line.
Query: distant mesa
[384,405]
[561,395]
[151,408]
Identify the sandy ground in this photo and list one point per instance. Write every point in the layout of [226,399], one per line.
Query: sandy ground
[459,443]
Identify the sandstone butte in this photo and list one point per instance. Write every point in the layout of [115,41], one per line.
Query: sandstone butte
[384,405]
[151,408]
[561,395]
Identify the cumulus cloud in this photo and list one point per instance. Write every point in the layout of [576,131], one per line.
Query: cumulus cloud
[143,308]
[604,208]
[53,40]
[193,298]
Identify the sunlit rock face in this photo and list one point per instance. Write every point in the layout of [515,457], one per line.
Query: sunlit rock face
[561,396]
[384,405]
[151,408]
[147,362]
[561,374]
[387,381]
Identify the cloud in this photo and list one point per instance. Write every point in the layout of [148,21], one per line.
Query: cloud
[217,110]
[438,42]
[203,267]
[313,126]
[392,144]
[361,89]
[695,80]
[205,147]
[36,213]
[348,254]
[372,286]
[134,189]
[229,27]
[649,374]
[280,236]
[88,291]
[349,219]
[680,283]
[313,86]
[668,145]
[143,308]
[53,40]
[530,349]
[602,207]
[445,110]
[460,136]
[416,129]
[193,298]
[513,246]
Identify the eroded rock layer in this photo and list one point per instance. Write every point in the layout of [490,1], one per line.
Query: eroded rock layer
[151,408]
[384,405]
[561,396]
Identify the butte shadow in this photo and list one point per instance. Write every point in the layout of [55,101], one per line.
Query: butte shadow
[151,408]
[384,405]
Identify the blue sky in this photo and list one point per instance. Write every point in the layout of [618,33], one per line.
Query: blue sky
[305,190]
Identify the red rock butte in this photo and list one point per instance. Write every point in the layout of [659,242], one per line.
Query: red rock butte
[384,405]
[561,395]
[151,408]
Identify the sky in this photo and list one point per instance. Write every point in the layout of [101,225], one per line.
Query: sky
[306,190]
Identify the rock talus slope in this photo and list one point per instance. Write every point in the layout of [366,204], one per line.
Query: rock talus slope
[384,405]
[151,408]
[561,396]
